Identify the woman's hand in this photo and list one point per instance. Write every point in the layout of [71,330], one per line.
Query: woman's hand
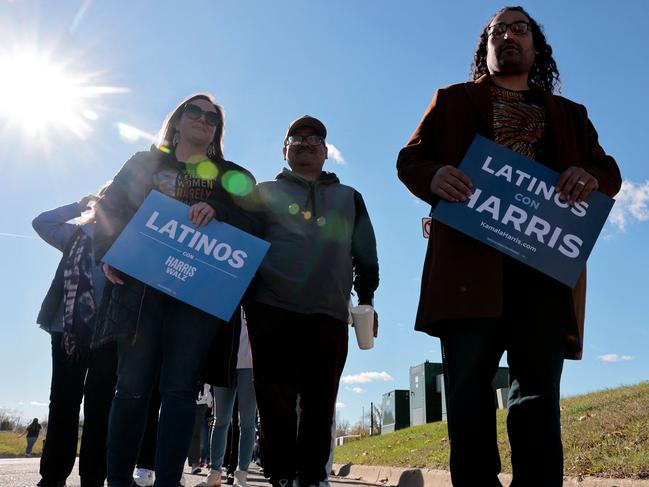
[201,214]
[84,203]
[111,274]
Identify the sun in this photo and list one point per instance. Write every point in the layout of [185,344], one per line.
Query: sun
[40,96]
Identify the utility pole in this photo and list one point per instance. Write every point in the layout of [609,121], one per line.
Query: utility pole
[371,419]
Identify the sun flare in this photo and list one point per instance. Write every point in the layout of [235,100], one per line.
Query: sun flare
[40,96]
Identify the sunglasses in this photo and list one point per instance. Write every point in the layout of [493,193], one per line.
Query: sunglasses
[194,112]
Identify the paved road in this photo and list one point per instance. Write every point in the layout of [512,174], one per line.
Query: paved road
[23,472]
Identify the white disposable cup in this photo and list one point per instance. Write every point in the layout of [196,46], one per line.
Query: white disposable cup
[363,318]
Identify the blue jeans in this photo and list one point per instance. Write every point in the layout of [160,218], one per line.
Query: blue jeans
[223,403]
[30,444]
[205,439]
[173,340]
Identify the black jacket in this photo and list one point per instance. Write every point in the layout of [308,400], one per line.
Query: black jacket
[120,308]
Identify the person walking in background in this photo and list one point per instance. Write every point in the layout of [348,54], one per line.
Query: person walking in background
[68,313]
[31,435]
[203,404]
[322,242]
[472,296]
[157,335]
[242,390]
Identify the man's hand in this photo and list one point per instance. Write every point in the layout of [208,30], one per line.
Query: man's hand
[111,274]
[376,324]
[84,203]
[575,184]
[201,214]
[451,184]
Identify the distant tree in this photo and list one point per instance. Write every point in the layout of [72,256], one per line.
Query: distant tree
[342,426]
[9,419]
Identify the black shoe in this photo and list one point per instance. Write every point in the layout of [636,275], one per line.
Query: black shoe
[229,478]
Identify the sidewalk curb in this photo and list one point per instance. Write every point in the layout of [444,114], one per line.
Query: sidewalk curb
[425,477]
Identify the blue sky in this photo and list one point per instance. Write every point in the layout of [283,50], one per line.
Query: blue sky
[367,69]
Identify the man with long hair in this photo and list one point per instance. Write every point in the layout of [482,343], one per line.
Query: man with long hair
[478,301]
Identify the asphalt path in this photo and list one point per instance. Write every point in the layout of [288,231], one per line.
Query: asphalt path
[23,472]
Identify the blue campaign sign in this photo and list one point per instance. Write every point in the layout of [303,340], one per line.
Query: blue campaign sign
[208,267]
[515,209]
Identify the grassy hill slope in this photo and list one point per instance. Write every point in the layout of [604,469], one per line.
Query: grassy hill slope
[604,433]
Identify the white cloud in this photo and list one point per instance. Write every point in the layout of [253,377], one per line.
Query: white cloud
[340,405]
[130,134]
[631,203]
[365,377]
[335,154]
[36,403]
[356,390]
[614,357]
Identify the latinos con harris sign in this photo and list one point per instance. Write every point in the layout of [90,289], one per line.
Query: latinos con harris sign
[208,267]
[516,210]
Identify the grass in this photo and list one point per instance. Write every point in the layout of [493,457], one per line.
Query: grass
[12,446]
[605,434]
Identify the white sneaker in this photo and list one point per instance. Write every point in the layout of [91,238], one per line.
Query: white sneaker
[213,479]
[143,477]
[240,478]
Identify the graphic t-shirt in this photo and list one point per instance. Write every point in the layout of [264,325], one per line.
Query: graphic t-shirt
[192,184]
[519,121]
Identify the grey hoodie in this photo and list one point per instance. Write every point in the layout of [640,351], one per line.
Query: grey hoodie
[321,240]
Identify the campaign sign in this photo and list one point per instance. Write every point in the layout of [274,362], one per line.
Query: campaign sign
[516,210]
[207,267]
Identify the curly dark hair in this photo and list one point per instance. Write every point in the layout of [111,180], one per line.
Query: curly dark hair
[544,72]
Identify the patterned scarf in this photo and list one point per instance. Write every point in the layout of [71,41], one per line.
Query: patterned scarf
[79,305]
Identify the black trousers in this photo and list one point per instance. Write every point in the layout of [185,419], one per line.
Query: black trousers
[231,458]
[535,352]
[93,378]
[295,354]
[146,457]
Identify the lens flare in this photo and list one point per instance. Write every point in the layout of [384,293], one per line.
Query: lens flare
[293,208]
[207,170]
[237,183]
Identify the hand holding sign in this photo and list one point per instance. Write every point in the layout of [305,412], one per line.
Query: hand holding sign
[201,214]
[575,184]
[111,274]
[451,184]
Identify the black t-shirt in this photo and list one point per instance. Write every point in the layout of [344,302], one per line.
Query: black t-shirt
[33,430]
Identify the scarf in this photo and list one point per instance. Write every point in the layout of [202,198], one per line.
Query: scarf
[79,306]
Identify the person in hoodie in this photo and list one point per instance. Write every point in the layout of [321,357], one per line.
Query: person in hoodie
[163,342]
[322,241]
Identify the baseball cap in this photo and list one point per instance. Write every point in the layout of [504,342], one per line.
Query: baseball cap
[307,121]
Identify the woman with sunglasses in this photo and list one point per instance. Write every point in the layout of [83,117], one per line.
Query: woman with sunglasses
[157,335]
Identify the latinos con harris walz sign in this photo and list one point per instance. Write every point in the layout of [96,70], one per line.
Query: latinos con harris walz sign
[516,210]
[208,267]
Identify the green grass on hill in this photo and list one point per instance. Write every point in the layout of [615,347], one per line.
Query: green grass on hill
[12,446]
[605,433]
